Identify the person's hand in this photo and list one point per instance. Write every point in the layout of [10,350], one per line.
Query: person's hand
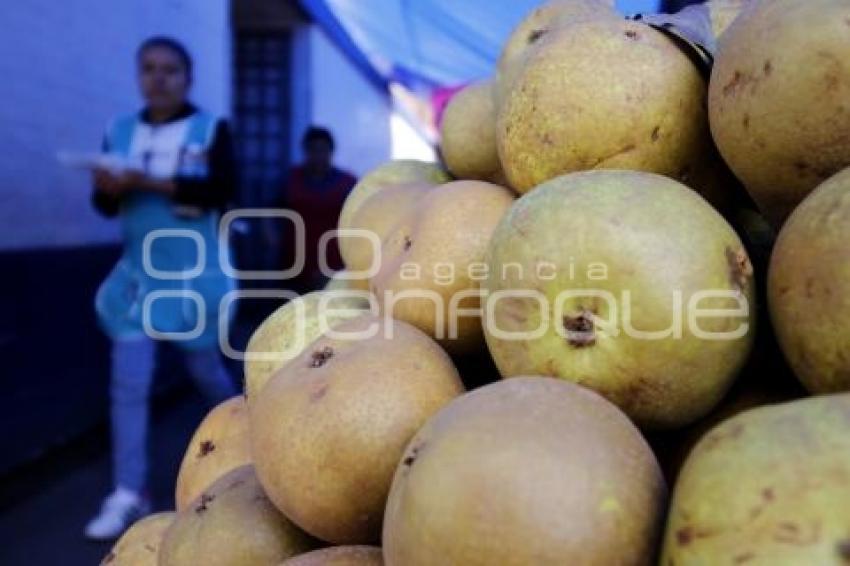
[106,182]
[116,184]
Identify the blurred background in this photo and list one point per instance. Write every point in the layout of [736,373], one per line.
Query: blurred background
[375,72]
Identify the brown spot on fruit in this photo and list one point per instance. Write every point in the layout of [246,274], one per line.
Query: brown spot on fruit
[767,498]
[740,268]
[623,150]
[738,81]
[150,548]
[321,357]
[632,34]
[792,533]
[410,459]
[768,68]
[205,448]
[733,83]
[746,122]
[407,243]
[687,534]
[535,35]
[832,82]
[656,132]
[843,548]
[745,557]
[206,499]
[715,438]
[810,287]
[580,329]
[319,392]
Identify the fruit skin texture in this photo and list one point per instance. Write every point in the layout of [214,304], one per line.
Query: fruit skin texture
[809,288]
[340,556]
[340,282]
[139,545]
[543,20]
[530,471]
[603,94]
[280,338]
[220,444]
[766,488]
[329,429]
[653,238]
[390,174]
[379,215]
[468,134]
[778,99]
[431,249]
[232,523]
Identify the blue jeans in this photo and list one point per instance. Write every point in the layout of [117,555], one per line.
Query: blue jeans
[132,374]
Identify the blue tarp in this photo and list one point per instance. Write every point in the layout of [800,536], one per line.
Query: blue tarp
[428,43]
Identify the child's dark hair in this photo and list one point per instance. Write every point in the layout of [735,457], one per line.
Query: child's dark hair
[317,133]
[171,44]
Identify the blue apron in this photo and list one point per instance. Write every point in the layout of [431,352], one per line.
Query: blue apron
[176,296]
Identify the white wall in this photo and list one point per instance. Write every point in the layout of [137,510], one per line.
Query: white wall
[67,67]
[343,100]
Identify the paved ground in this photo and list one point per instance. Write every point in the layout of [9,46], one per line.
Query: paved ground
[42,512]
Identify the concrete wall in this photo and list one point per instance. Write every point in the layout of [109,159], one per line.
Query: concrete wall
[68,67]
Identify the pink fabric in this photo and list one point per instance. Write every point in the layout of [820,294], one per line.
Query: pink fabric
[440,99]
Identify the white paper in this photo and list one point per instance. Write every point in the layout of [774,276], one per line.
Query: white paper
[93,160]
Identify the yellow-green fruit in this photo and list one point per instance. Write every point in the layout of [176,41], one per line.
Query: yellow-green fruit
[340,556]
[232,523]
[341,282]
[220,444]
[329,429]
[606,278]
[543,20]
[378,215]
[766,488]
[468,134]
[724,12]
[435,253]
[604,94]
[139,545]
[809,287]
[393,173]
[779,96]
[525,472]
[291,329]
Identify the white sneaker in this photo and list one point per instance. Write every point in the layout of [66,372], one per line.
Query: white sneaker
[121,509]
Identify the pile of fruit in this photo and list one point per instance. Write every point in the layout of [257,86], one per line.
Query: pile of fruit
[563,322]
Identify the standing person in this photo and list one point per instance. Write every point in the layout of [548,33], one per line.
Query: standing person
[185,177]
[316,190]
